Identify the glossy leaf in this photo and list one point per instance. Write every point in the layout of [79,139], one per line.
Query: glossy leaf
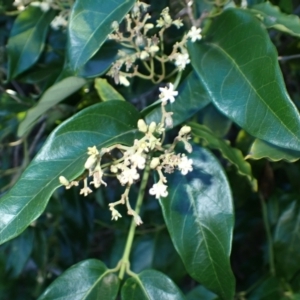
[261,149]
[268,290]
[51,97]
[150,285]
[247,86]
[200,292]
[287,240]
[214,120]
[272,17]
[89,280]
[234,155]
[90,23]
[105,91]
[199,215]
[101,61]
[27,39]
[64,153]
[192,97]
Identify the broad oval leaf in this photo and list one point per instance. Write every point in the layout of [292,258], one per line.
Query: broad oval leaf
[247,86]
[27,39]
[64,153]
[90,23]
[234,155]
[287,241]
[52,96]
[88,280]
[199,215]
[261,149]
[272,17]
[150,285]
[192,97]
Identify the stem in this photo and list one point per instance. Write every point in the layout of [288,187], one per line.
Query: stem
[125,258]
[268,233]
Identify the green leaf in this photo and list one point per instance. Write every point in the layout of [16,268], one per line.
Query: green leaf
[27,39]
[192,97]
[101,61]
[89,280]
[64,153]
[150,285]
[261,149]
[234,155]
[52,96]
[287,241]
[247,86]
[268,290]
[272,17]
[90,23]
[105,91]
[200,292]
[214,120]
[19,253]
[199,215]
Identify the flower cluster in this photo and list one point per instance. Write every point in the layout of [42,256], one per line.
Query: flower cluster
[145,41]
[132,159]
[63,8]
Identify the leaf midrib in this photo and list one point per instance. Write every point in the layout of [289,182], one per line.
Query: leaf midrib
[216,46]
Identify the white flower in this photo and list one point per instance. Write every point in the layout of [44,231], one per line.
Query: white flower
[128,175]
[123,80]
[181,60]
[45,6]
[194,34]
[185,165]
[159,190]
[85,191]
[138,160]
[168,93]
[115,214]
[58,22]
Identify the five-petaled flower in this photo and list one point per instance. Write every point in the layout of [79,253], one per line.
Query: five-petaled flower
[194,34]
[159,190]
[168,93]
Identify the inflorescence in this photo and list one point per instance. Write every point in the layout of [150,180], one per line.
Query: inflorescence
[143,41]
[147,150]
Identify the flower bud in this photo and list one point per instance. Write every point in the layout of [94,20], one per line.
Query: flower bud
[152,127]
[90,162]
[154,162]
[115,25]
[63,180]
[144,54]
[148,26]
[185,130]
[142,126]
[123,80]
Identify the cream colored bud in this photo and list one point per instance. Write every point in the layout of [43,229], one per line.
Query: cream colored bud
[113,169]
[144,54]
[154,162]
[148,26]
[115,25]
[90,162]
[63,180]
[153,49]
[142,126]
[152,127]
[123,80]
[185,130]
